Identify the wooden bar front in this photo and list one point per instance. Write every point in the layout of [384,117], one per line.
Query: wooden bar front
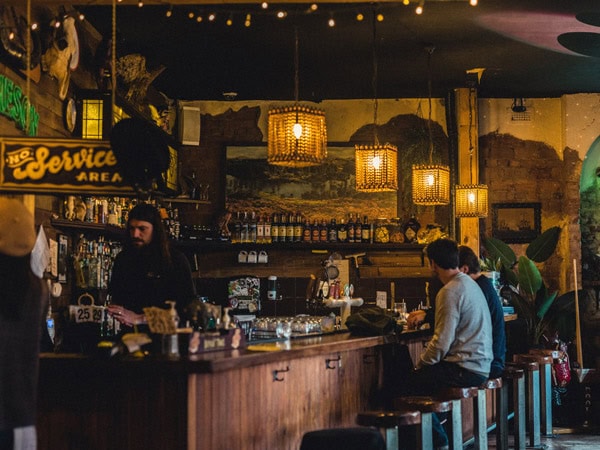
[218,400]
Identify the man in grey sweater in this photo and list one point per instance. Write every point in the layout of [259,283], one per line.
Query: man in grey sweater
[460,351]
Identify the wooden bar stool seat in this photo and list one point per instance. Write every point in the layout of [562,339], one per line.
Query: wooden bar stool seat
[357,438]
[532,395]
[427,406]
[390,421]
[456,395]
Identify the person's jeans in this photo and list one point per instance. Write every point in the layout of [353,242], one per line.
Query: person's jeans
[429,380]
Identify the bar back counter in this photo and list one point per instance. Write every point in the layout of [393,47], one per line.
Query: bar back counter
[261,397]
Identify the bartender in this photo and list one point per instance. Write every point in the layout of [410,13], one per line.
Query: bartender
[148,271]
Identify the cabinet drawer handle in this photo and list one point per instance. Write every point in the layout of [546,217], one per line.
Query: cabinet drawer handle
[330,363]
[276,373]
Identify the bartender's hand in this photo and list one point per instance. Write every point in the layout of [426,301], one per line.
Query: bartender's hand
[415,319]
[125,316]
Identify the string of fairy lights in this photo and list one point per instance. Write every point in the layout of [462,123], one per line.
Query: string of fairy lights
[243,13]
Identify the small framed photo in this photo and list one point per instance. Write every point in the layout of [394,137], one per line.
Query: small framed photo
[516,223]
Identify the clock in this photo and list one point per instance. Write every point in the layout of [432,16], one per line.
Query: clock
[70,114]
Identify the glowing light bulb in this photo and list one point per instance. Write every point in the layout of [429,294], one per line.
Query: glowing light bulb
[360,17]
[297,130]
[430,180]
[281,14]
[473,2]
[314,7]
[331,22]
[229,22]
[264,5]
[471,197]
[380,17]
[212,16]
[377,162]
[419,10]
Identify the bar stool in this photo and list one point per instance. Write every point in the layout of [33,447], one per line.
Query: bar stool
[390,421]
[496,385]
[427,406]
[357,438]
[514,377]
[545,360]
[456,395]
[532,390]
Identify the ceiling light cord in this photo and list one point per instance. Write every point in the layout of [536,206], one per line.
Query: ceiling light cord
[374,80]
[430,50]
[471,135]
[296,64]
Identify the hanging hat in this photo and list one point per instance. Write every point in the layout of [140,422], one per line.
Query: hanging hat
[17,231]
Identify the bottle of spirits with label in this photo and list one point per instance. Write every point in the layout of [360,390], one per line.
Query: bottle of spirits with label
[332,232]
[275,228]
[411,228]
[252,228]
[366,230]
[351,228]
[323,233]
[260,230]
[298,227]
[358,229]
[307,232]
[314,231]
[267,236]
[283,227]
[245,229]
[290,228]
[342,235]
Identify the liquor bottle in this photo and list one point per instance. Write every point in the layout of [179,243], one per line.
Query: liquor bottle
[366,230]
[411,228]
[342,235]
[351,228]
[245,236]
[260,230]
[314,231]
[267,235]
[358,229]
[290,228]
[252,228]
[275,228]
[298,227]
[323,233]
[306,232]
[283,227]
[332,231]
[236,236]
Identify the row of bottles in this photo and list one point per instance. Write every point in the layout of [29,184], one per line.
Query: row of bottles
[93,261]
[107,210]
[294,227]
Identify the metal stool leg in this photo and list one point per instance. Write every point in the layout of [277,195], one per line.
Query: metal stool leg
[502,417]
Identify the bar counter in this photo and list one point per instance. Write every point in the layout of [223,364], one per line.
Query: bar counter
[216,400]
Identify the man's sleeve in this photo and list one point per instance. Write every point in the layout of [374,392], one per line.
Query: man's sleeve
[446,321]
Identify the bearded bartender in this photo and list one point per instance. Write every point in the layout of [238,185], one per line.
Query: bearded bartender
[148,271]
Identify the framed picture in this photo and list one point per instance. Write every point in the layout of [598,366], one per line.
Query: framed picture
[516,223]
[320,192]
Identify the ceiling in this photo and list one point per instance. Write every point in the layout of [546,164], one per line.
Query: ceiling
[528,48]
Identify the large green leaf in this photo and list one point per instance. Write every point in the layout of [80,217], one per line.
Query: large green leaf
[545,305]
[497,249]
[542,247]
[530,279]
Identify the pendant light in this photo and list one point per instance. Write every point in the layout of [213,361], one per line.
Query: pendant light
[376,165]
[471,200]
[297,135]
[430,182]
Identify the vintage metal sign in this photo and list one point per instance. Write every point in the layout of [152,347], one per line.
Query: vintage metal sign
[59,165]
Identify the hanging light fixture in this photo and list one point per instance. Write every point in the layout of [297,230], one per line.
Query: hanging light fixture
[297,135]
[430,182]
[471,200]
[376,165]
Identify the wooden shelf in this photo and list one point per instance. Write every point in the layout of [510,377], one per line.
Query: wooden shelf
[88,226]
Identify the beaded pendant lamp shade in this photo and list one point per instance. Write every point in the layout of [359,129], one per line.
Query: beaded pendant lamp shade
[471,200]
[376,165]
[430,182]
[297,134]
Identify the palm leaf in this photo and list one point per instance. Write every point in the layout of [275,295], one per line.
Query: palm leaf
[542,247]
[500,250]
[530,279]
[545,304]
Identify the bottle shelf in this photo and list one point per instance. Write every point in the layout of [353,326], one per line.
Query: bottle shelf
[88,226]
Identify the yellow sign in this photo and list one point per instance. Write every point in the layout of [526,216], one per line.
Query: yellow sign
[59,165]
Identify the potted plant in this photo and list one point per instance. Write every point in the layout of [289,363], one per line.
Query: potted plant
[523,283]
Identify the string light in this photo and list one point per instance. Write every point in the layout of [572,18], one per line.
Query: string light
[169,12]
[212,17]
[281,14]
[419,9]
[229,21]
[473,2]
[248,20]
[331,22]
[191,15]
[360,17]
[380,17]
[314,7]
[140,4]
[264,5]
[199,18]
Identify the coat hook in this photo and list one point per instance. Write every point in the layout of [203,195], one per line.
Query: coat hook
[277,372]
